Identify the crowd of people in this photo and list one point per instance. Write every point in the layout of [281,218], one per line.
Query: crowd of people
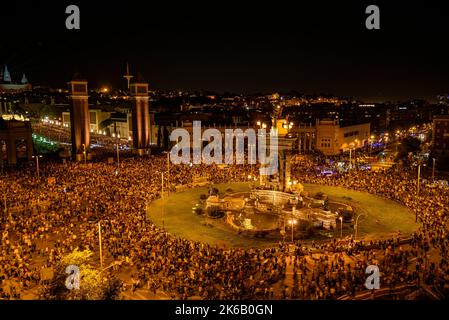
[48,217]
[429,246]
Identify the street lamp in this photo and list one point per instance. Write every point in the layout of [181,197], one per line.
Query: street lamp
[433,170]
[371,145]
[292,223]
[419,177]
[341,227]
[117,146]
[356,226]
[99,242]
[163,202]
[84,153]
[417,191]
[37,164]
[351,145]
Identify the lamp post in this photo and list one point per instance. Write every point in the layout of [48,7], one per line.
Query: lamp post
[417,191]
[37,164]
[99,242]
[433,170]
[356,226]
[292,223]
[419,177]
[84,154]
[118,154]
[350,157]
[117,146]
[163,203]
[341,227]
[168,173]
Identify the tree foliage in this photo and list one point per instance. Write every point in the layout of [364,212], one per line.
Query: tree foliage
[94,284]
[408,145]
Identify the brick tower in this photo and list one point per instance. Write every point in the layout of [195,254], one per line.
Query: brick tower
[140,116]
[79,118]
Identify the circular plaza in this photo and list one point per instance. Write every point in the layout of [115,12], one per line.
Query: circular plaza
[370,217]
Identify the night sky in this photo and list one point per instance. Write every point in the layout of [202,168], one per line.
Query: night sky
[234,46]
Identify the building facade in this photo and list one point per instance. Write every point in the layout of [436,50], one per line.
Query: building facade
[440,134]
[16,142]
[333,139]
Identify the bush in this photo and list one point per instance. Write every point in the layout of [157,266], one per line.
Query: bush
[93,285]
[203,197]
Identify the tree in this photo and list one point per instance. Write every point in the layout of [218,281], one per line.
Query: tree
[408,145]
[93,284]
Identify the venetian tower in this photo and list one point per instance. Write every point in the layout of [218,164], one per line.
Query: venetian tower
[79,118]
[140,116]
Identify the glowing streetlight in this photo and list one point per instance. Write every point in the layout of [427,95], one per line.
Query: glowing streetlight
[341,227]
[117,146]
[351,145]
[84,153]
[292,223]
[37,164]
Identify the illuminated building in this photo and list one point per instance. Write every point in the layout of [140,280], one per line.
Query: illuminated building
[440,134]
[16,142]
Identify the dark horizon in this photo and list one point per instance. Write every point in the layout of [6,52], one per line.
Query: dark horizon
[234,48]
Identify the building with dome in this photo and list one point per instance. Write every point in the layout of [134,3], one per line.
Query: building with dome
[7,85]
